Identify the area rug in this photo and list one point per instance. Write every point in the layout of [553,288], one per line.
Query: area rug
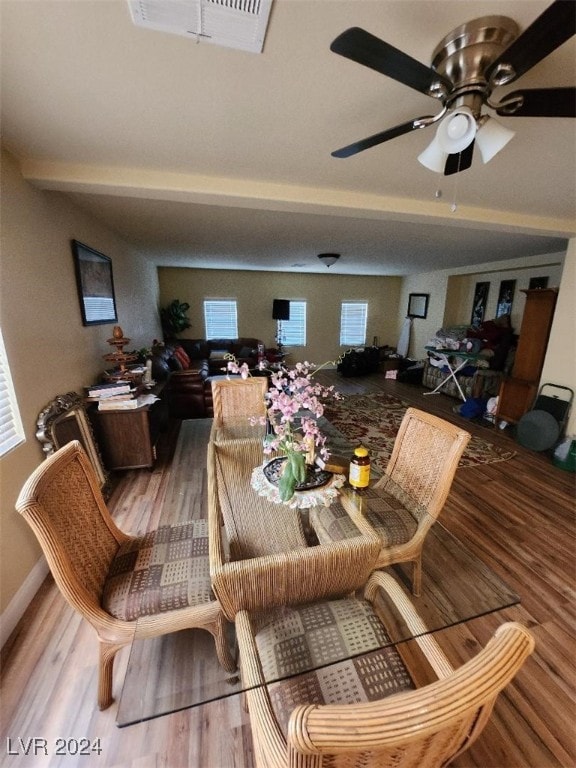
[374,420]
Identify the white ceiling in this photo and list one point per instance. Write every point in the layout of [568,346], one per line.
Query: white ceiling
[210,157]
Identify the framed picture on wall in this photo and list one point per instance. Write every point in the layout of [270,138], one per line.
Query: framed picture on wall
[538,282]
[479,303]
[418,304]
[95,285]
[505,297]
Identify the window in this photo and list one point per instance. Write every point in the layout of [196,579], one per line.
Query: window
[220,319]
[294,330]
[353,323]
[11,431]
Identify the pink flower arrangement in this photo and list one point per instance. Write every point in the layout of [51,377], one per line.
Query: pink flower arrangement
[294,404]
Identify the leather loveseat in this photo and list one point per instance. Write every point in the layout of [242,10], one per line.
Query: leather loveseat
[188,367]
[244,349]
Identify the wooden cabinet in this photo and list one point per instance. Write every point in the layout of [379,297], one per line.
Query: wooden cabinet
[127,439]
[518,392]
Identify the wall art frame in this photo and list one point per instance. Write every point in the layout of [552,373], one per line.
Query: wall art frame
[505,297]
[95,285]
[479,304]
[418,304]
[538,283]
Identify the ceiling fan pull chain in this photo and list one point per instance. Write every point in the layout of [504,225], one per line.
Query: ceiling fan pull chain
[454,205]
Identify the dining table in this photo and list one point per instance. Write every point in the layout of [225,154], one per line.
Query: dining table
[180,670]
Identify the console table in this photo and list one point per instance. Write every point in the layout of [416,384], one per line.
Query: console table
[127,438]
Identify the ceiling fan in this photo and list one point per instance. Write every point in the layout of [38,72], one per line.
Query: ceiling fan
[467,65]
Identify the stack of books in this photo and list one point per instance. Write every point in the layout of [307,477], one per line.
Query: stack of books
[114,396]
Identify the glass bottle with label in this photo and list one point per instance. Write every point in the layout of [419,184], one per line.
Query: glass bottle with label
[359,475]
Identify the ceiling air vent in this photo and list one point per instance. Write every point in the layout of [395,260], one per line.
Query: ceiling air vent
[237,24]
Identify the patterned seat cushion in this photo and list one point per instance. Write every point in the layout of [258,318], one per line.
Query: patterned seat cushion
[293,640]
[394,519]
[161,571]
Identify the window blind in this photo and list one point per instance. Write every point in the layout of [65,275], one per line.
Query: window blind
[11,431]
[353,323]
[220,319]
[294,330]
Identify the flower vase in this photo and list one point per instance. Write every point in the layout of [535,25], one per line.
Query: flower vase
[278,472]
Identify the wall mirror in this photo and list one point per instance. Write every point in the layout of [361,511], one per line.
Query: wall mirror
[65,419]
[418,304]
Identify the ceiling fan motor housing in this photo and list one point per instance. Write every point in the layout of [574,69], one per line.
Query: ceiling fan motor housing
[464,55]
[467,65]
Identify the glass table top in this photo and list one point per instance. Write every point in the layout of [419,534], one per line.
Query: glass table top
[180,670]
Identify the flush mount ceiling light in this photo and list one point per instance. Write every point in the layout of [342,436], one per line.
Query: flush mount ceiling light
[329,258]
[468,65]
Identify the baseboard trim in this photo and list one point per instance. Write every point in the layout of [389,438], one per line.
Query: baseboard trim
[22,599]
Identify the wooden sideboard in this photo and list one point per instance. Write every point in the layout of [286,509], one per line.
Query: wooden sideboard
[127,439]
[518,392]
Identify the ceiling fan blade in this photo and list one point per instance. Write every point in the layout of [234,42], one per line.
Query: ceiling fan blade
[379,138]
[552,28]
[364,48]
[460,161]
[539,102]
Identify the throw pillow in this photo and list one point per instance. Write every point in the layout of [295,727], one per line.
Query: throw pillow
[183,359]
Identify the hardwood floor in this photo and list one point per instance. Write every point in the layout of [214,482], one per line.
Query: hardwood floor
[517,515]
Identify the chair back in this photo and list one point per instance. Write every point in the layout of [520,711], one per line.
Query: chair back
[425,727]
[64,506]
[425,457]
[254,527]
[237,398]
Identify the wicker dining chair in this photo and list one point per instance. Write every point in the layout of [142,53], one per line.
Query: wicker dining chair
[234,398]
[366,711]
[124,586]
[403,505]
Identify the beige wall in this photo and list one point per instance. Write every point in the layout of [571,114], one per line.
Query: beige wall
[560,362]
[436,285]
[254,292]
[451,295]
[460,309]
[49,350]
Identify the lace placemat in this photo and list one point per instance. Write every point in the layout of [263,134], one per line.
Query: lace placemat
[314,497]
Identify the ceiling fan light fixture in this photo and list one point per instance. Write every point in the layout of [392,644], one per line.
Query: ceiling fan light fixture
[434,158]
[457,131]
[491,137]
[329,258]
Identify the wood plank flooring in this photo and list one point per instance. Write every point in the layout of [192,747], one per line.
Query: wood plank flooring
[517,515]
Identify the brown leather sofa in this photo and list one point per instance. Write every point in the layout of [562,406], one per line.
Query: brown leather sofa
[188,376]
[244,349]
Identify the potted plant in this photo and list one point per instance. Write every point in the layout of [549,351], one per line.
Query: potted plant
[174,318]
